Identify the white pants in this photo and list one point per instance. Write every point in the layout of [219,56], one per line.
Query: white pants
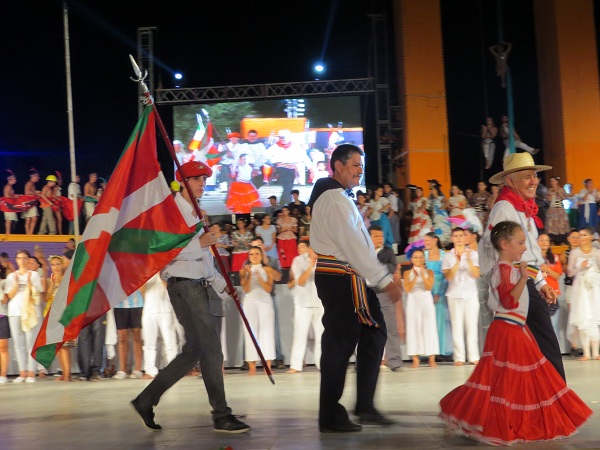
[23,343]
[261,317]
[421,325]
[304,319]
[152,324]
[489,148]
[89,209]
[464,318]
[518,144]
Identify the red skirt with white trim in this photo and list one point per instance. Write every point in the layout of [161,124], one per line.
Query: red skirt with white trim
[287,250]
[514,394]
[242,198]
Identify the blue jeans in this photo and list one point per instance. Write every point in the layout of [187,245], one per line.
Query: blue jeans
[192,308]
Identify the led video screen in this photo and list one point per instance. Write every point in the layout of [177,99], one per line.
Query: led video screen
[263,148]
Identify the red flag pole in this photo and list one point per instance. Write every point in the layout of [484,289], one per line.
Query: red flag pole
[232,291]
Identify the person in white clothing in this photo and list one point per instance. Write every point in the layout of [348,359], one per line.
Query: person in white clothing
[157,317]
[23,288]
[257,283]
[308,309]
[421,325]
[584,316]
[461,269]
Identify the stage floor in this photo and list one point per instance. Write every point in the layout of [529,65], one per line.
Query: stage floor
[54,415]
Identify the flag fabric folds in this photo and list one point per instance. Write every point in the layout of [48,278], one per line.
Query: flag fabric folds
[203,145]
[135,231]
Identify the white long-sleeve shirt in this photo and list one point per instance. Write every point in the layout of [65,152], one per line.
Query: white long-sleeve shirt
[488,256]
[337,229]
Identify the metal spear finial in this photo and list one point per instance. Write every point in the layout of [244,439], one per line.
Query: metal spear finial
[139,78]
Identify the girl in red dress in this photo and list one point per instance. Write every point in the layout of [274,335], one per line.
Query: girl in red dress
[514,394]
[243,196]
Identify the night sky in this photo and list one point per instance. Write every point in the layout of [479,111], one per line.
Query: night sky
[223,43]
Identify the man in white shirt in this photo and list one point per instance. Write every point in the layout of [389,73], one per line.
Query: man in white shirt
[291,160]
[347,264]
[188,277]
[516,202]
[461,268]
[258,159]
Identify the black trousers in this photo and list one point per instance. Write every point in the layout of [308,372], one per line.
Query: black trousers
[538,321]
[343,334]
[285,178]
[202,344]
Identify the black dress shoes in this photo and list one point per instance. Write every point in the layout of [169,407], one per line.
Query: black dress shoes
[146,414]
[230,424]
[375,419]
[345,427]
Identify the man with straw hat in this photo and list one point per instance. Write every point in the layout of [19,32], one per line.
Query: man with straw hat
[516,203]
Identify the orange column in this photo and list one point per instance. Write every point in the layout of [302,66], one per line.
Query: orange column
[569,88]
[423,93]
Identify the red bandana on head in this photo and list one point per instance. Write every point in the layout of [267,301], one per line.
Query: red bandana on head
[529,207]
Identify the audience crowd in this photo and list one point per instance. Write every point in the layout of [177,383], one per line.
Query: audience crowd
[440,319]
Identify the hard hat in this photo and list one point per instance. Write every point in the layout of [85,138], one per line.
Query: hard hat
[52,178]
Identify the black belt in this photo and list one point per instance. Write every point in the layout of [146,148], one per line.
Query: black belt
[201,281]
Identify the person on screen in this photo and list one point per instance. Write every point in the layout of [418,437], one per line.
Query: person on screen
[230,151]
[243,196]
[321,171]
[258,151]
[285,156]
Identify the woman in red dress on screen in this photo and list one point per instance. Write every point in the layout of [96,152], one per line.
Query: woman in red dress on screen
[243,196]
[287,238]
[514,394]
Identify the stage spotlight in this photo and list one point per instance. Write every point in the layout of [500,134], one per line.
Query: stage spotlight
[319,68]
[178,76]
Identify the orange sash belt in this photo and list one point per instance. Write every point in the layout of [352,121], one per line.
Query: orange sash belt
[328,265]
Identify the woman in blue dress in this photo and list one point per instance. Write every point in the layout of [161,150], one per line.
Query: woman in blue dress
[434,256]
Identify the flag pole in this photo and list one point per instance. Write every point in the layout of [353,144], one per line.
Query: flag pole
[232,291]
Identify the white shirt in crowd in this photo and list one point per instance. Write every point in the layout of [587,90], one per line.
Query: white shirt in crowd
[464,284]
[306,295]
[15,305]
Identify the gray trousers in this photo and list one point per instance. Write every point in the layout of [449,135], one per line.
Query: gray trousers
[202,344]
[393,354]
[90,347]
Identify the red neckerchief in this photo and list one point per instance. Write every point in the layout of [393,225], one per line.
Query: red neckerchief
[283,144]
[529,207]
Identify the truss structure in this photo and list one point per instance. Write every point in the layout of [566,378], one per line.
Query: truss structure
[216,94]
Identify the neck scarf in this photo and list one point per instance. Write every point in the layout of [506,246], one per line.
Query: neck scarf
[529,207]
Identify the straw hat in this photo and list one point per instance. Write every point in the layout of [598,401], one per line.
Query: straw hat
[515,162]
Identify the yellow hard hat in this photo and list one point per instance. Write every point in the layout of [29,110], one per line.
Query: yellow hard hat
[175,186]
[52,178]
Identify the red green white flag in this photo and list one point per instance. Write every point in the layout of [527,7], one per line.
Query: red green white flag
[198,136]
[135,231]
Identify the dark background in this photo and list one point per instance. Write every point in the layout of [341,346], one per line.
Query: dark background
[225,43]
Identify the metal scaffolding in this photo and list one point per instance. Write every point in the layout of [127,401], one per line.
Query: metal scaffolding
[216,94]
[145,60]
[381,72]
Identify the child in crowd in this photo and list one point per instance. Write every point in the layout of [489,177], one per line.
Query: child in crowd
[421,326]
[514,394]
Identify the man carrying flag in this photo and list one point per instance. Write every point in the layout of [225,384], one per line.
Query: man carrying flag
[188,276]
[137,228]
